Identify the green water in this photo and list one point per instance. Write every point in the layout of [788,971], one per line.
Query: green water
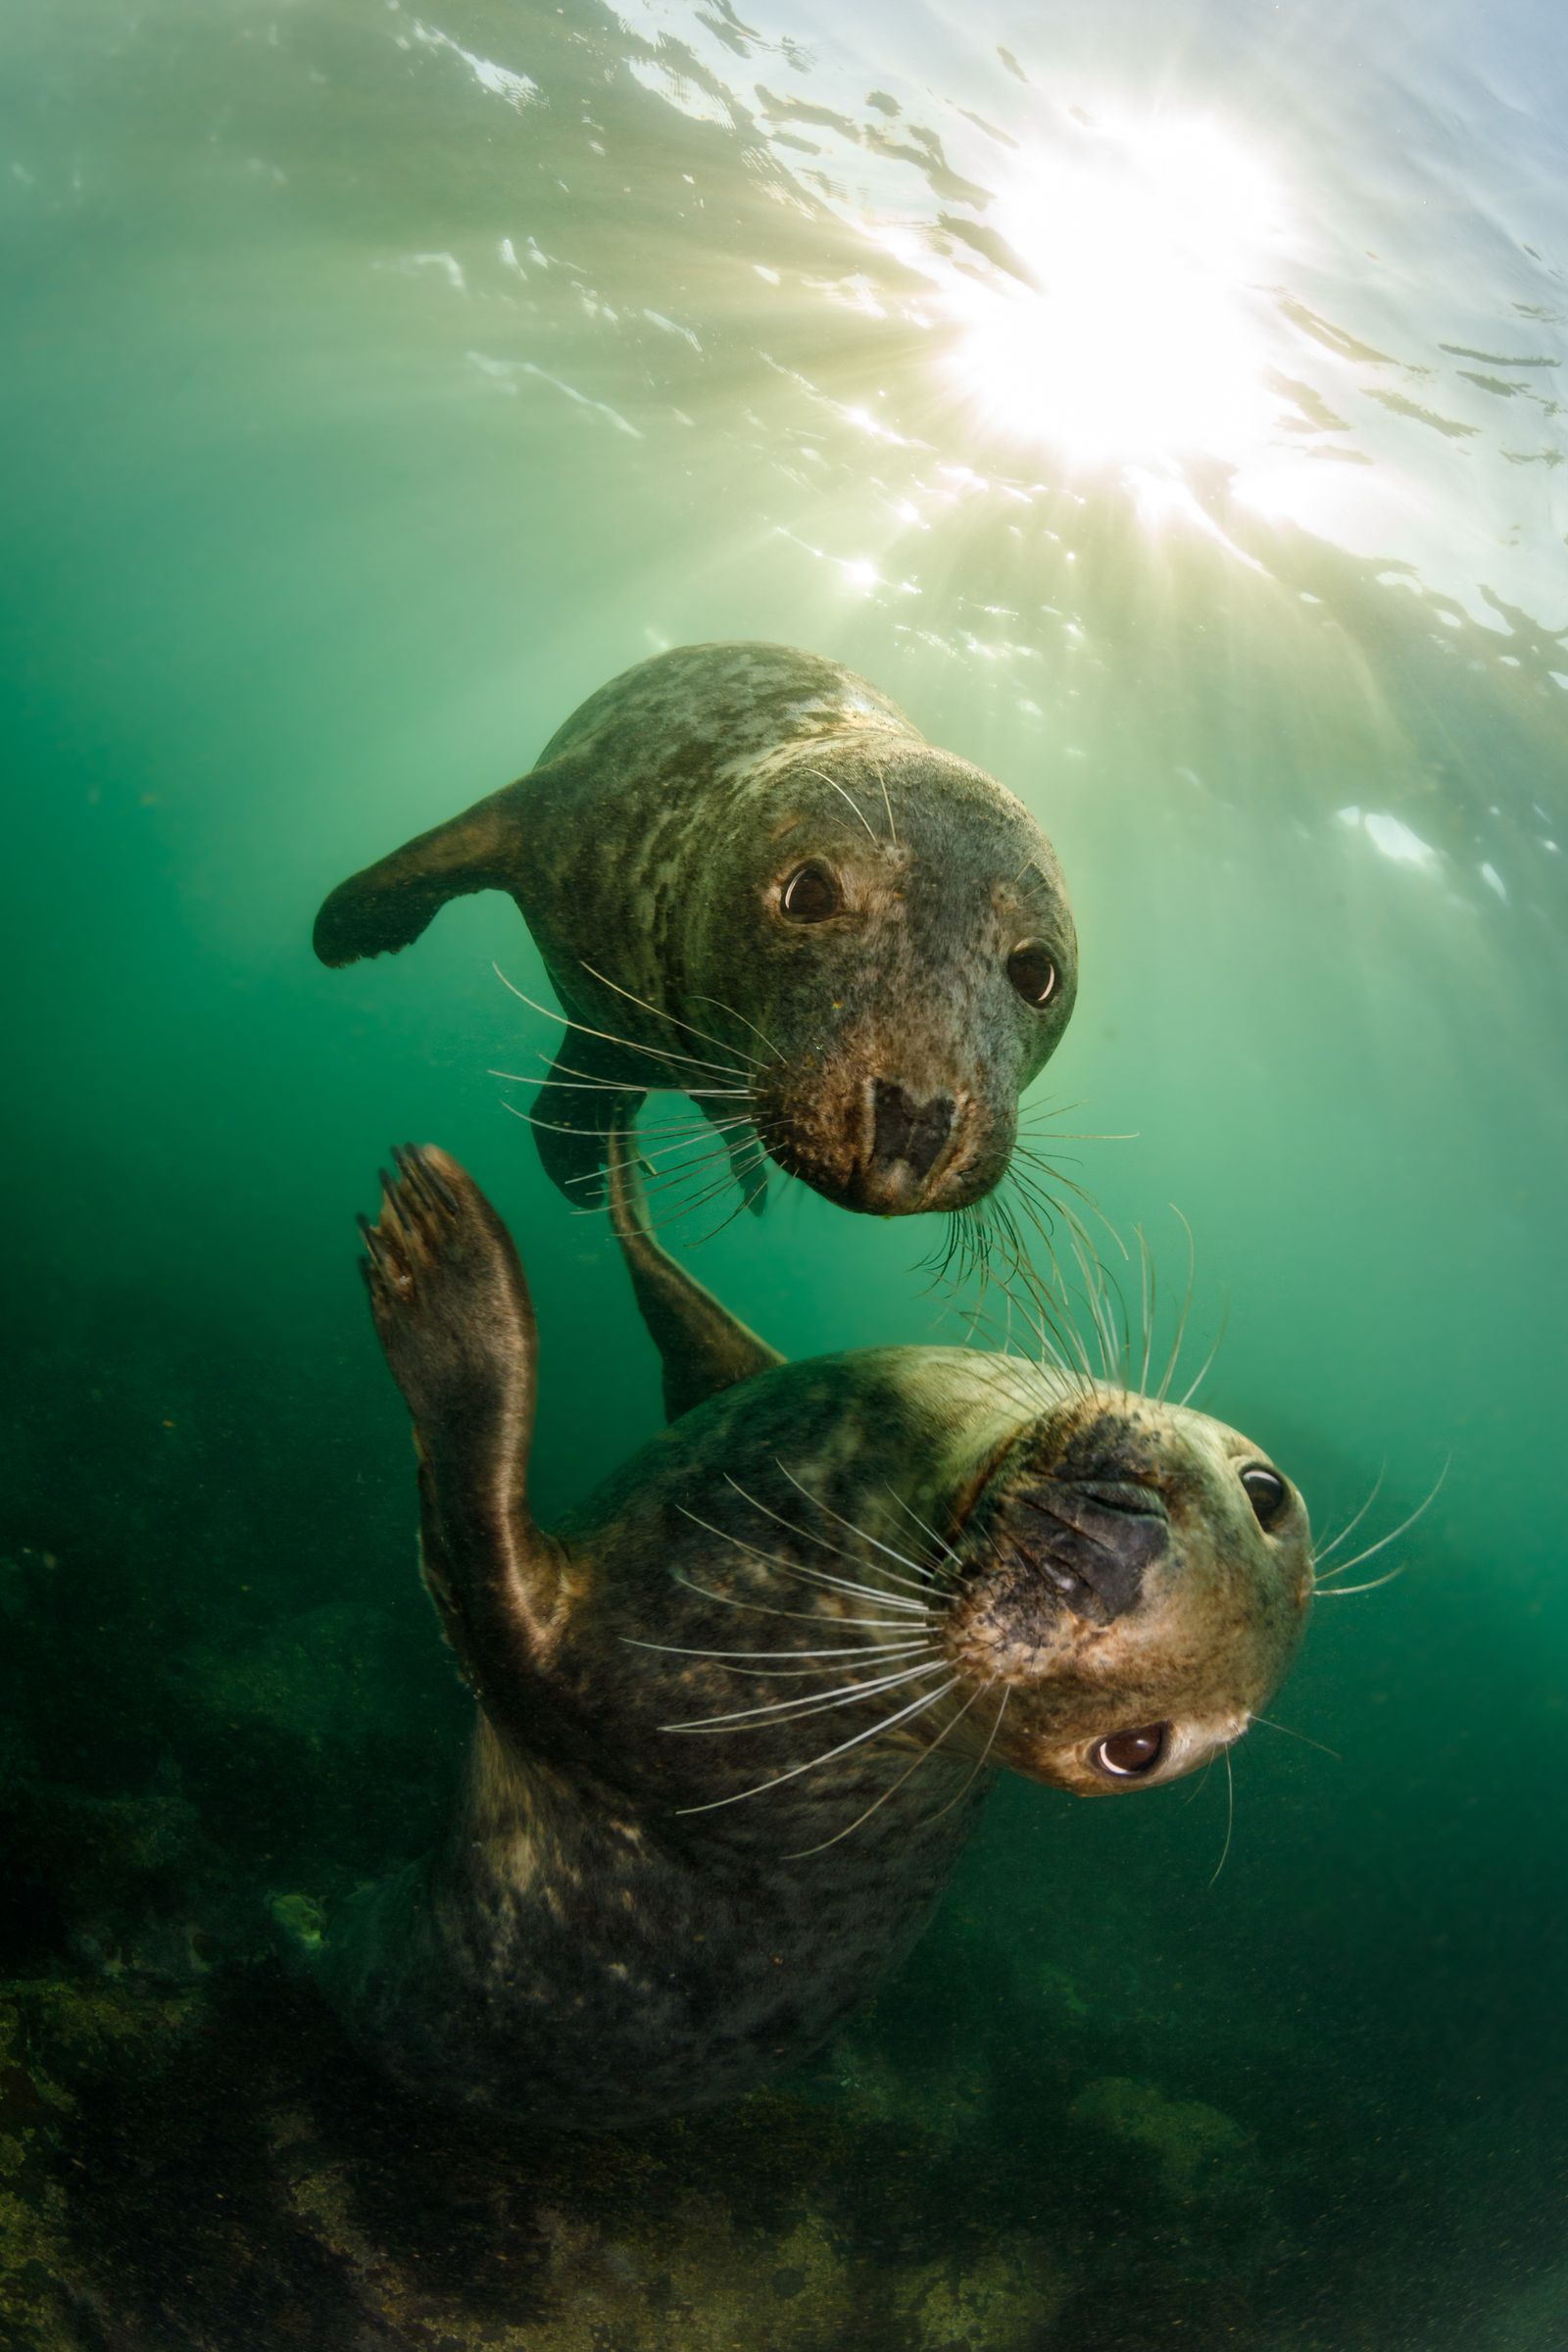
[1161,404]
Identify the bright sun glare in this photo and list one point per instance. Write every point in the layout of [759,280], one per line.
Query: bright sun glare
[1144,339]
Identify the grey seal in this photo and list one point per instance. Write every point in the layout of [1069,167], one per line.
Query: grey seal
[737,1714]
[753,882]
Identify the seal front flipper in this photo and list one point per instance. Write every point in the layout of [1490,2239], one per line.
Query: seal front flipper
[572,1115]
[705,1349]
[457,1325]
[386,905]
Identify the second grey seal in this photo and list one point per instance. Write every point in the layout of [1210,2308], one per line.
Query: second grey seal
[737,1713]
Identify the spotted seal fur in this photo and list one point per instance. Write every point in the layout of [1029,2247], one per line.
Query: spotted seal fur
[737,1714]
[753,881]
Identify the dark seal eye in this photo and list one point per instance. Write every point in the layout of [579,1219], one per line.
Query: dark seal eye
[1032,972]
[810,896]
[1126,1755]
[1267,1494]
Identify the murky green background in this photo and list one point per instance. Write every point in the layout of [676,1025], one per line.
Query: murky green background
[1162,403]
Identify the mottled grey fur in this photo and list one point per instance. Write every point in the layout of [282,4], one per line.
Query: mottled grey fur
[650,847]
[602,1938]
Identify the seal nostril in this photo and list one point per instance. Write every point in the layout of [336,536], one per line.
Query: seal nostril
[1104,1537]
[906,1130]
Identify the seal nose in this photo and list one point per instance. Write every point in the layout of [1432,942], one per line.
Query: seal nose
[1093,1540]
[903,1129]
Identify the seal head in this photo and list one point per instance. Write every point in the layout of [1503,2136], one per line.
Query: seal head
[901,935]
[1136,1577]
[753,881]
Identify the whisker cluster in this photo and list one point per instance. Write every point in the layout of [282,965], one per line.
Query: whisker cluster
[905,1586]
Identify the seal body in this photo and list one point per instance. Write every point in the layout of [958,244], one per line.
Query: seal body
[737,1715]
[753,881]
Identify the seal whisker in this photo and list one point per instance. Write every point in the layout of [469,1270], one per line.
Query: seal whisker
[697,1061]
[682,1141]
[667,1178]
[791,1711]
[923,1569]
[741,1017]
[1291,1732]
[911,1513]
[1187,1308]
[880,773]
[915,1706]
[1146,1296]
[849,1650]
[762,1608]
[1348,1592]
[979,1766]
[1325,1584]
[839,788]
[735,1168]
[1050,1172]
[907,1774]
[809,1576]
[714,1188]
[1230,1813]
[586,1084]
[748,1199]
[1351,1525]
[715,1191]
[1208,1365]
[1053,1335]
[660,1014]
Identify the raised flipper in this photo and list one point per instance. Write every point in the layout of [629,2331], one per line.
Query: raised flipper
[386,905]
[704,1347]
[457,1325]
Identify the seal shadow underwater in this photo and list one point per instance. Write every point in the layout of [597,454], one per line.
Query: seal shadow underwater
[753,882]
[737,1714]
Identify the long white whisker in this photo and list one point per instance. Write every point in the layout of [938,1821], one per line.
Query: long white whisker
[762,1608]
[1291,1732]
[1187,1308]
[880,773]
[984,1758]
[915,1706]
[1351,1525]
[837,1550]
[1344,1592]
[789,1709]
[925,1528]
[849,1650]
[843,795]
[1392,1537]
[760,1034]
[659,1013]
[1230,1815]
[923,1568]
[808,1576]
[893,1789]
[609,1037]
